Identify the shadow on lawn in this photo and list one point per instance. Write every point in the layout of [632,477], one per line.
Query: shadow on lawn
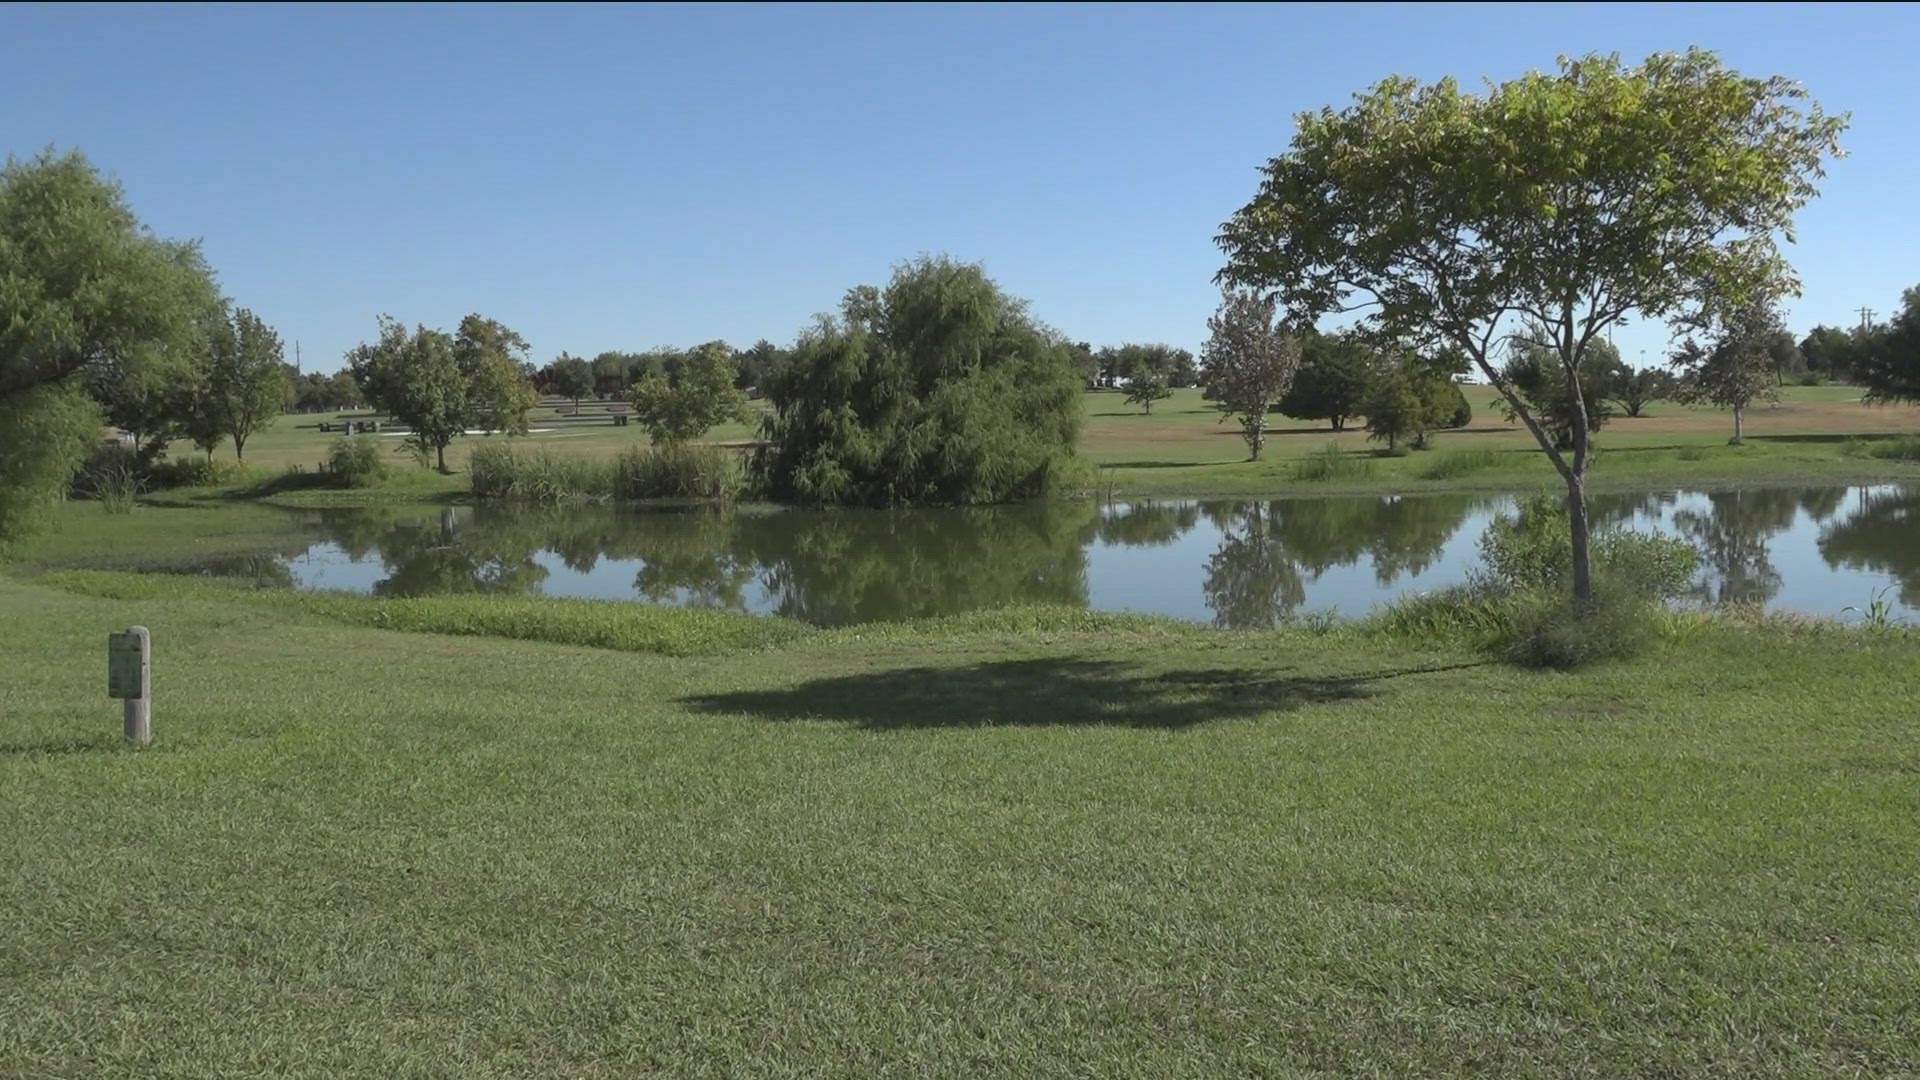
[1048,691]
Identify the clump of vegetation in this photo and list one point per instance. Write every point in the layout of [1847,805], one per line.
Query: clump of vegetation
[678,472]
[356,461]
[497,470]
[1458,463]
[1691,453]
[1903,448]
[1330,464]
[113,475]
[939,389]
[1517,606]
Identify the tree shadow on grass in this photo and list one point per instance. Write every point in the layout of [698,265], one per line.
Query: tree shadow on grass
[1047,692]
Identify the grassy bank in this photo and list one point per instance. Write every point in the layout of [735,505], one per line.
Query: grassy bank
[1021,843]
[1181,449]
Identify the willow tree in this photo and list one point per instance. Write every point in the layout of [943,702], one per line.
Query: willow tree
[938,389]
[1570,199]
[94,309]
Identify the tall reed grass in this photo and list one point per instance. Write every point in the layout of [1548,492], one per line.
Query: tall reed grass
[498,470]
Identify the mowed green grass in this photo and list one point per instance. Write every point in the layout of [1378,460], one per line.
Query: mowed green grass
[1017,844]
[1183,448]
[1812,433]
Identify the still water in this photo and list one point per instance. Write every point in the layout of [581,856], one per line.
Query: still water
[1231,562]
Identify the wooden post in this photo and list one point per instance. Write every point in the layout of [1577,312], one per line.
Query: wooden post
[130,678]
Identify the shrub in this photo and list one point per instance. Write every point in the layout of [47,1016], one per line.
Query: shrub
[193,471]
[1812,378]
[1691,453]
[678,472]
[112,475]
[1330,463]
[1549,632]
[357,461]
[1518,607]
[1532,551]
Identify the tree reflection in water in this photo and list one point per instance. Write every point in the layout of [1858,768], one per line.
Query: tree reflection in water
[834,567]
[1270,550]
[1882,536]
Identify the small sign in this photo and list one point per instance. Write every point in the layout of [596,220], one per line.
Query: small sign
[123,665]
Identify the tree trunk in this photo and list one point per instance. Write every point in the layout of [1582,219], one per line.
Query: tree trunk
[440,451]
[1736,425]
[239,448]
[1582,553]
[1336,423]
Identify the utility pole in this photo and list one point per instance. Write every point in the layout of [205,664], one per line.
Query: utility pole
[296,358]
[1866,319]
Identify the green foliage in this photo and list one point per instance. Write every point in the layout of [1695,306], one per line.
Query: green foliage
[499,470]
[496,393]
[1838,354]
[681,405]
[1407,401]
[246,382]
[1531,551]
[112,475]
[1331,384]
[1147,389]
[45,433]
[441,385]
[1516,607]
[1249,361]
[415,378]
[1171,366]
[679,471]
[1890,366]
[1549,632]
[570,377]
[87,292]
[1533,371]
[939,390]
[1903,448]
[1634,390]
[1571,198]
[1330,464]
[1738,366]
[357,461]
[1458,463]
[315,392]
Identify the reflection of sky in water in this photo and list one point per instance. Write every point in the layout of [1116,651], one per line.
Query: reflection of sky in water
[1170,578]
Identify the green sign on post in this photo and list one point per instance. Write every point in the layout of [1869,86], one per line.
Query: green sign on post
[123,666]
[130,678]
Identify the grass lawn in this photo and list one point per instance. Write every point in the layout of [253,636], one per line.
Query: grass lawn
[1024,843]
[1811,433]
[1182,449]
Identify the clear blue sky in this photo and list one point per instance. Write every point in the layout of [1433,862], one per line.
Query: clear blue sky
[620,178]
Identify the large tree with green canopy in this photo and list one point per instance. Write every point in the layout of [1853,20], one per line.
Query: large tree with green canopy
[1572,199]
[92,307]
[1889,366]
[939,389]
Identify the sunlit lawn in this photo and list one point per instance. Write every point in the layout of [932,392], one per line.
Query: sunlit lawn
[1015,845]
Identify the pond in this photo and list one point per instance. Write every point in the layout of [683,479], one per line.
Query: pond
[1230,562]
